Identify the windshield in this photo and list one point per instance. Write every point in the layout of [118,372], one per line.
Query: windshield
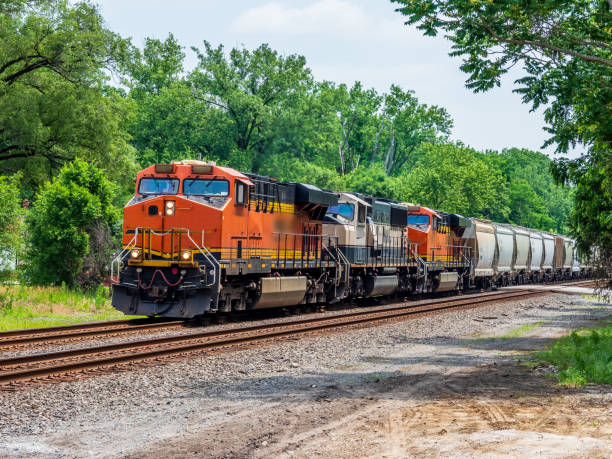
[158,186]
[344,210]
[202,187]
[418,219]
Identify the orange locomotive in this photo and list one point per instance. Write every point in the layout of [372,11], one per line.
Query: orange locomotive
[201,238]
[441,248]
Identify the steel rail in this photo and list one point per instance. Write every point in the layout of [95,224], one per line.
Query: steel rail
[65,332]
[91,329]
[233,337]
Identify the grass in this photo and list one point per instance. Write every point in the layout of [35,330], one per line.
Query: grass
[582,357]
[520,331]
[30,307]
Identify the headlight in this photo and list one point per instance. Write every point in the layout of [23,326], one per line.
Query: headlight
[169,207]
[186,255]
[135,253]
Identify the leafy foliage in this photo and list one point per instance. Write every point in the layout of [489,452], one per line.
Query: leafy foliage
[10,220]
[533,198]
[582,358]
[53,104]
[565,49]
[249,88]
[456,179]
[65,212]
[592,215]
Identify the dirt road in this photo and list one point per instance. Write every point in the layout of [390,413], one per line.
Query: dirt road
[457,398]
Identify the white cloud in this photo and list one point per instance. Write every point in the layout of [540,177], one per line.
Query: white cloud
[329,18]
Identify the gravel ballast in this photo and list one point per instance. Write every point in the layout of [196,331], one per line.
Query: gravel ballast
[133,411]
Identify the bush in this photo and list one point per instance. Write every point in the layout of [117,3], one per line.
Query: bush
[10,223]
[67,212]
[582,358]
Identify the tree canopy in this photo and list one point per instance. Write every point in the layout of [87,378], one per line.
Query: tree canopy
[53,102]
[565,50]
[78,99]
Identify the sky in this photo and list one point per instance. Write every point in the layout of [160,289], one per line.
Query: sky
[343,41]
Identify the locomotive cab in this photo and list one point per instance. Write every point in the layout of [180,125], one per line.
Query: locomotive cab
[347,221]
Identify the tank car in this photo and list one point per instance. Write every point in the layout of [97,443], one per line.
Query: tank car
[480,237]
[536,258]
[504,255]
[548,248]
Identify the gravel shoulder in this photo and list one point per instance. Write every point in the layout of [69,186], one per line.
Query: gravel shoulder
[448,384]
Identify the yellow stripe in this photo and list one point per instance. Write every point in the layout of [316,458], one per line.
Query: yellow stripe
[273,206]
[247,253]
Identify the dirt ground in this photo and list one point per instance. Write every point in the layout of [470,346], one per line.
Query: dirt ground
[496,410]
[452,406]
[448,385]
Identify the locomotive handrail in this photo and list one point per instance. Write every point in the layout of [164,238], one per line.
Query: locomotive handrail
[202,249]
[346,263]
[341,260]
[209,256]
[119,257]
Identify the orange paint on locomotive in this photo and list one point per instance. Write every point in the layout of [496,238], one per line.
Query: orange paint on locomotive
[436,241]
[234,230]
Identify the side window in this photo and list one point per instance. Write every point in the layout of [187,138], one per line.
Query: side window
[361,216]
[241,193]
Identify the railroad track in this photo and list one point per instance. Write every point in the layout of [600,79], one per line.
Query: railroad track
[86,330]
[17,338]
[58,366]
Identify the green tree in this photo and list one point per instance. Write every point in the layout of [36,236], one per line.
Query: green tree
[373,181]
[592,217]
[10,221]
[357,110]
[410,124]
[159,65]
[565,50]
[454,179]
[250,88]
[66,214]
[169,123]
[54,105]
[534,199]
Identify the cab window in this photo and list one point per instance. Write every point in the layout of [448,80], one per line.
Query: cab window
[241,193]
[202,187]
[418,219]
[158,186]
[343,210]
[361,215]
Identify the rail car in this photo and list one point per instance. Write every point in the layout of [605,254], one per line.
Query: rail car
[200,238]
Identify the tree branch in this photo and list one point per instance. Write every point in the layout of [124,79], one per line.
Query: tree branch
[540,44]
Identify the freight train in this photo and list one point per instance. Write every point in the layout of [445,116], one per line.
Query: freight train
[200,238]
